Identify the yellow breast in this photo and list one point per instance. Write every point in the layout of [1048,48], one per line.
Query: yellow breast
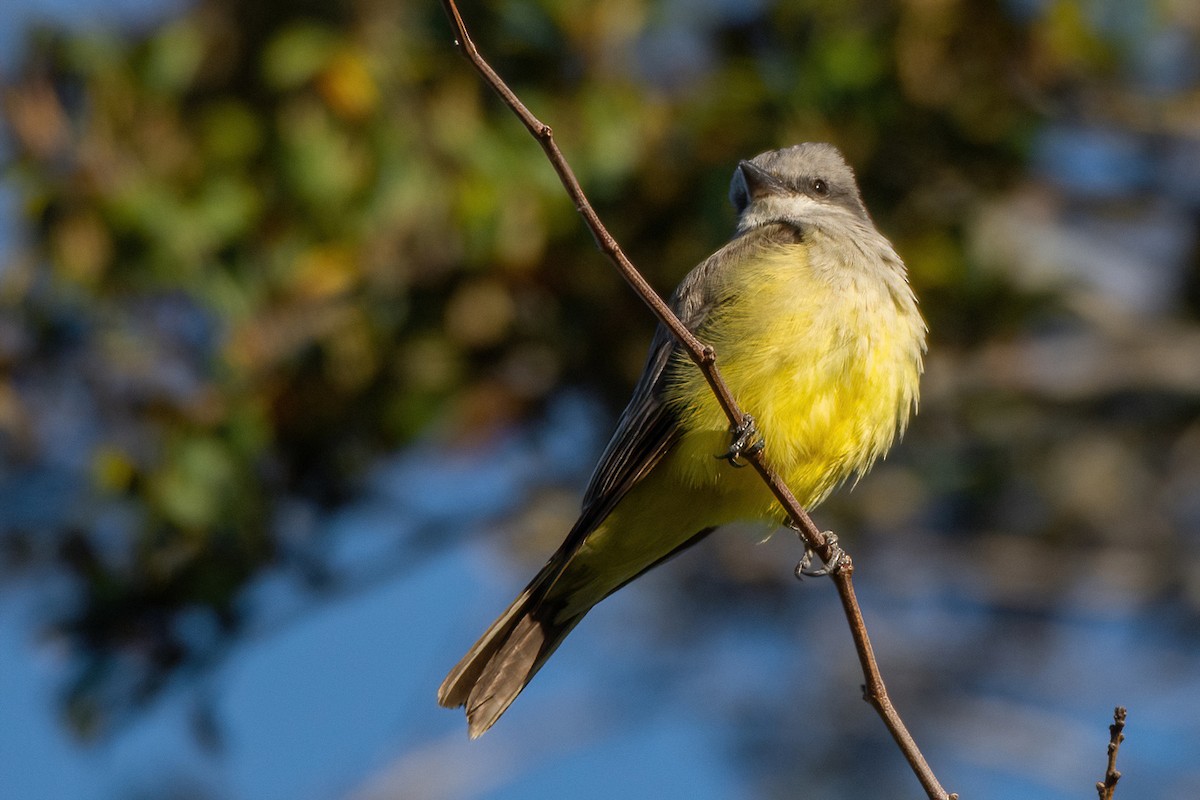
[828,365]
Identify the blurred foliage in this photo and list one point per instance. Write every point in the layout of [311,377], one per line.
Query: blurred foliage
[267,243]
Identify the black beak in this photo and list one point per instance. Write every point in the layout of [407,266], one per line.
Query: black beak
[759,182]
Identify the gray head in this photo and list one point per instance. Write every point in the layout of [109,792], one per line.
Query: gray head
[796,185]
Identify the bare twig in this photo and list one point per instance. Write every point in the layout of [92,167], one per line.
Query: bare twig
[1108,787]
[706,359]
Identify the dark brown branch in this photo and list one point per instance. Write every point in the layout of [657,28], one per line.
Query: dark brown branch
[1108,787]
[706,359]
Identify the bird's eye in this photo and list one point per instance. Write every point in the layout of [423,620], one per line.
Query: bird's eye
[820,187]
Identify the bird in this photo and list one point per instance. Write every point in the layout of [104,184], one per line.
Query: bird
[819,339]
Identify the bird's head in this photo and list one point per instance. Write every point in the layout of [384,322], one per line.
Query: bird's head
[796,185]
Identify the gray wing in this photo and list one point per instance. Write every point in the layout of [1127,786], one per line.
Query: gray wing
[648,429]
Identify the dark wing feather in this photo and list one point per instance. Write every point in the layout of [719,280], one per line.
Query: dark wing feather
[648,428]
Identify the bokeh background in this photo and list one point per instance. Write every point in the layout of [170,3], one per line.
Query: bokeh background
[305,359]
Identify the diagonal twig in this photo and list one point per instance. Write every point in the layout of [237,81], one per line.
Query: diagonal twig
[705,357]
[1108,787]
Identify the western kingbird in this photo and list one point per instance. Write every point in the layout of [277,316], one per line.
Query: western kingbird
[819,339]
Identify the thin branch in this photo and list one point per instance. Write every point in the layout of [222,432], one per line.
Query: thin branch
[1108,787]
[706,360]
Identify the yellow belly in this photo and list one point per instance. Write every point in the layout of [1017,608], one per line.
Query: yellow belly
[829,370]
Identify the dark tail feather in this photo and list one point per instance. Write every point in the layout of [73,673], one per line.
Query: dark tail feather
[505,659]
[491,675]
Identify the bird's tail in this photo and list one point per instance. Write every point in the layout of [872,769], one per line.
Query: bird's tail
[505,659]
[493,672]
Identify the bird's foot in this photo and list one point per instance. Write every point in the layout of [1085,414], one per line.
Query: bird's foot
[746,442]
[837,559]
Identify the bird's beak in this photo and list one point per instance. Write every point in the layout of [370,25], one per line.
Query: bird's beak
[759,182]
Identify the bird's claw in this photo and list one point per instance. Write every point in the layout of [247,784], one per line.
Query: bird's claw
[746,442]
[837,559]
